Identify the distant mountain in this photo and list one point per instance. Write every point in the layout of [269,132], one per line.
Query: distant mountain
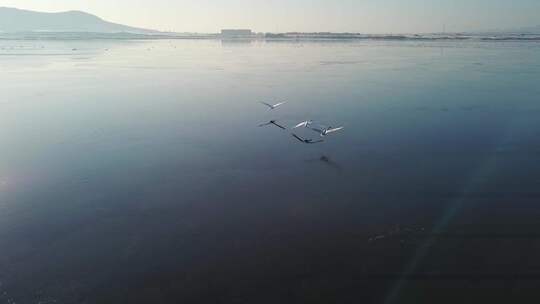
[17,20]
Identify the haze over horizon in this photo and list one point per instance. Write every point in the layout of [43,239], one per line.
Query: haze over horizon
[415,16]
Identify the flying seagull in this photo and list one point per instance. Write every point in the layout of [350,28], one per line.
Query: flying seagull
[306,141]
[325,131]
[304,124]
[272,107]
[273,122]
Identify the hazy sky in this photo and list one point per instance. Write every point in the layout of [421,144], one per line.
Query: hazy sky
[375,16]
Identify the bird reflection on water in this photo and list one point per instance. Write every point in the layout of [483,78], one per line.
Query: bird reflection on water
[273,122]
[326,160]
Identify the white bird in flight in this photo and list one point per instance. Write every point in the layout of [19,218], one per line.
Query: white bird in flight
[326,131]
[272,106]
[323,131]
[304,124]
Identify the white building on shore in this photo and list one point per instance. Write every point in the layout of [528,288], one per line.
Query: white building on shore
[236,33]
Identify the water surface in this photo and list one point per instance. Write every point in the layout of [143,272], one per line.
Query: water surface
[134,172]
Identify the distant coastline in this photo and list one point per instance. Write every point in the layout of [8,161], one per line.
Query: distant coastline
[292,36]
[77,25]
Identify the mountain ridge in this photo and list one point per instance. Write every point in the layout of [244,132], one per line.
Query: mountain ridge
[20,20]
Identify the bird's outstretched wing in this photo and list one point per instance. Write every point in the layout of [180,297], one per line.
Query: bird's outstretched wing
[278,125]
[267,104]
[303,124]
[316,141]
[298,137]
[333,130]
[278,104]
[265,124]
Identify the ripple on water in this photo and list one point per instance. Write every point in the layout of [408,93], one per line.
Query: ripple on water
[4,296]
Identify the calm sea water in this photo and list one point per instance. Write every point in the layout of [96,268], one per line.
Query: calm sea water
[135,172]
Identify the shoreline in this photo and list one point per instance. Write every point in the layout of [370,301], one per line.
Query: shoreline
[524,37]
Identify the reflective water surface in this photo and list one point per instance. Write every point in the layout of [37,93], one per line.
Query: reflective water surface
[135,172]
